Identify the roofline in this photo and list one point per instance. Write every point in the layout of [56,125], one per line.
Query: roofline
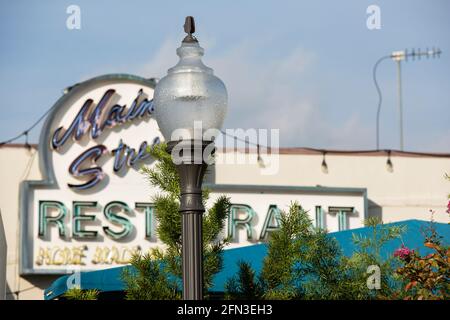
[313,151]
[283,189]
[19,145]
[301,151]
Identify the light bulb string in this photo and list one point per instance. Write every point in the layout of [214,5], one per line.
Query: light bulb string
[246,141]
[27,131]
[324,162]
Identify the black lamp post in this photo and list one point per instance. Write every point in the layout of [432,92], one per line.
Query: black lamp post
[190,106]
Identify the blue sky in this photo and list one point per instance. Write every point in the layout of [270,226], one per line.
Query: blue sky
[304,67]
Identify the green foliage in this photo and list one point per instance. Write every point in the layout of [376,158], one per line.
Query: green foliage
[164,175]
[371,246]
[79,294]
[306,263]
[319,267]
[302,263]
[284,249]
[244,286]
[367,254]
[427,277]
[147,281]
[167,263]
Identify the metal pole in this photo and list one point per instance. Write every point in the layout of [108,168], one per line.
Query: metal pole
[380,97]
[400,102]
[192,256]
[398,56]
[191,171]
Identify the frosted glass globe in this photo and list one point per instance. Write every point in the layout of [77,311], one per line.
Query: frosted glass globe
[189,93]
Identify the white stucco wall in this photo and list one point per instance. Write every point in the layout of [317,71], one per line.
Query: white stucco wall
[416,186]
[17,164]
[3,250]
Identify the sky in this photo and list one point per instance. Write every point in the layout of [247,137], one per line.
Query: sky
[303,67]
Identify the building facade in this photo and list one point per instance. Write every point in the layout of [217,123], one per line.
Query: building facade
[77,200]
[412,190]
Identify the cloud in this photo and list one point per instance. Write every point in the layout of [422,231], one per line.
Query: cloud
[162,60]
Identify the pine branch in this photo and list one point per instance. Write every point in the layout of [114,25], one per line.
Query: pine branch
[164,175]
[169,220]
[146,280]
[79,294]
[244,286]
[214,220]
[284,247]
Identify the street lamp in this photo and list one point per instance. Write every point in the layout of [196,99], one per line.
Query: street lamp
[398,57]
[190,106]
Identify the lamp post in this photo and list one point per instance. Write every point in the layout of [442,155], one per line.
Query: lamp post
[190,106]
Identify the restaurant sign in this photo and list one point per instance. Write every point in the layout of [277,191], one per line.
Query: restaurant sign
[84,213]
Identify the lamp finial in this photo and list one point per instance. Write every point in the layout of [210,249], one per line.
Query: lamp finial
[189,28]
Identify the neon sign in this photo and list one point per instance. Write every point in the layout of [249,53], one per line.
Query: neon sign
[95,120]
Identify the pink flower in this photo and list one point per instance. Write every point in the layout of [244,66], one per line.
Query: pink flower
[448,207]
[403,252]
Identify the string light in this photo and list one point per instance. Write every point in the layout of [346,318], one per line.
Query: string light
[260,159]
[389,165]
[27,145]
[324,166]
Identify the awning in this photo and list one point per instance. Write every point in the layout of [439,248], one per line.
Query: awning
[109,280]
